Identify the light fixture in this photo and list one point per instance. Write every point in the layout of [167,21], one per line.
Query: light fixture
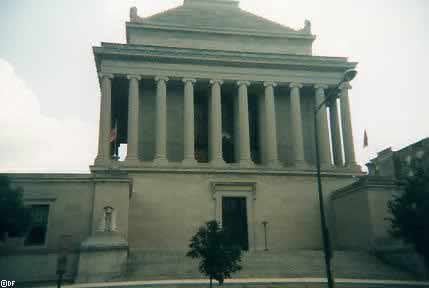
[349,75]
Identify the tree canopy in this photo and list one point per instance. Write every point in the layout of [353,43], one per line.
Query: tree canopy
[410,213]
[218,256]
[14,217]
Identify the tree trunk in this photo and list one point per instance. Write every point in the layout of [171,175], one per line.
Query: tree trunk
[211,280]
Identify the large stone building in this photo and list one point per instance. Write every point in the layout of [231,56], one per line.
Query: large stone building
[401,164]
[214,105]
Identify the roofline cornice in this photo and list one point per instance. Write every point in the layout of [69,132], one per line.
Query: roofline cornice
[49,177]
[364,184]
[214,30]
[65,177]
[188,55]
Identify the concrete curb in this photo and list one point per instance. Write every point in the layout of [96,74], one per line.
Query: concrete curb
[255,282]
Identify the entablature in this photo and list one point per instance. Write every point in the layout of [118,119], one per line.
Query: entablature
[218,57]
[149,61]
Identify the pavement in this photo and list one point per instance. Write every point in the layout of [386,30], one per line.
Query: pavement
[253,282]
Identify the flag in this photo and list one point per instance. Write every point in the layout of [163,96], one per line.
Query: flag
[365,139]
[114,133]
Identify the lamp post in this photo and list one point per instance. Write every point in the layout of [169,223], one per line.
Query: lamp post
[327,249]
[64,251]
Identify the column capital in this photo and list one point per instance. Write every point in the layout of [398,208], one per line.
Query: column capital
[345,85]
[186,79]
[321,86]
[105,75]
[216,81]
[243,82]
[161,78]
[295,85]
[270,84]
[134,76]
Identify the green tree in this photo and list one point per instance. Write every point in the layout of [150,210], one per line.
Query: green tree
[410,212]
[218,257]
[14,217]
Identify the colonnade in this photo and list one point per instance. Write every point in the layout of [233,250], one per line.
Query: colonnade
[215,124]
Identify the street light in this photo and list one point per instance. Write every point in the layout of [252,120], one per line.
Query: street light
[348,76]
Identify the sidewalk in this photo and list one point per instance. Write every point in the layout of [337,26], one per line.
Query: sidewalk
[256,282]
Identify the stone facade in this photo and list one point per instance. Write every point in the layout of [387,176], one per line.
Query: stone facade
[211,102]
[400,164]
[360,210]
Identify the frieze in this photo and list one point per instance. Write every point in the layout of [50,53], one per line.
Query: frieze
[223,58]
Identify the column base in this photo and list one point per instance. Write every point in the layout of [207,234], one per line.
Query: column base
[160,161]
[274,164]
[132,161]
[327,166]
[189,162]
[353,166]
[102,161]
[246,164]
[217,163]
[300,165]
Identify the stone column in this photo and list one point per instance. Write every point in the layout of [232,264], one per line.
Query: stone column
[104,151]
[296,124]
[270,126]
[133,118]
[215,124]
[323,131]
[243,118]
[188,129]
[346,123]
[337,149]
[161,121]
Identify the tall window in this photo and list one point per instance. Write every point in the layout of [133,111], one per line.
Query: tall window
[36,234]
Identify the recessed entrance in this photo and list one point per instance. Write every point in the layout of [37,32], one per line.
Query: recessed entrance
[234,220]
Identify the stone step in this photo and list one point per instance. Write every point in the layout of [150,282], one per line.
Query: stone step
[297,263]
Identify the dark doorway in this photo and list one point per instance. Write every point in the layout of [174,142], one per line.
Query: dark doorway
[234,220]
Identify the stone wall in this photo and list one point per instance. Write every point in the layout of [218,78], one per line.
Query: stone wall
[70,200]
[361,212]
[167,208]
[212,41]
[36,266]
[76,209]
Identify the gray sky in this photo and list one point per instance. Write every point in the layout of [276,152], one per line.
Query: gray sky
[49,89]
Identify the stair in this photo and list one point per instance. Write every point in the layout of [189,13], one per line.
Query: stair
[158,265]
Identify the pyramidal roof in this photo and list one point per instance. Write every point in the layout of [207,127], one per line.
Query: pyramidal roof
[218,15]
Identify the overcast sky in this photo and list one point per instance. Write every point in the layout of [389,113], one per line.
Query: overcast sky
[49,90]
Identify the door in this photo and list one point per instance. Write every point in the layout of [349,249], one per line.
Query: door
[234,220]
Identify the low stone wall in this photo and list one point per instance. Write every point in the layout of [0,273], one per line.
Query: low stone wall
[360,213]
[35,266]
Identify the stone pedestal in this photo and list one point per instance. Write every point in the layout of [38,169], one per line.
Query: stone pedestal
[103,256]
